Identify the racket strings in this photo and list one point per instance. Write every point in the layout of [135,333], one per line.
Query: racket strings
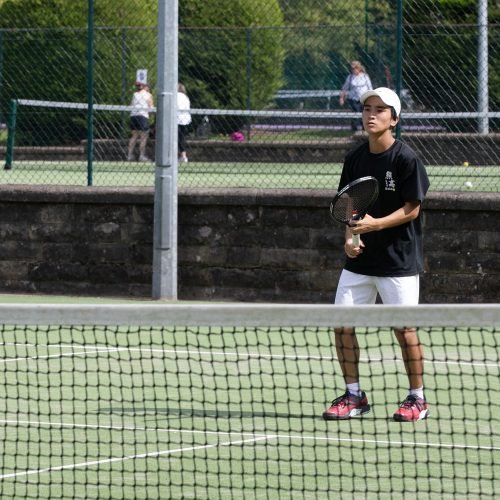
[354,203]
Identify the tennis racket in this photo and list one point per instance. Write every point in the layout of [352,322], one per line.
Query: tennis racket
[353,201]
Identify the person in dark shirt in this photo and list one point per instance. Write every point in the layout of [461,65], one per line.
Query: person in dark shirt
[389,258]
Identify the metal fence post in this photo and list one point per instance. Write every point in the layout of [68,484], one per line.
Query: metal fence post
[11,127]
[90,90]
[165,202]
[482,65]
[248,39]
[399,57]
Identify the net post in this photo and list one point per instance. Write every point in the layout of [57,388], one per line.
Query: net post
[11,134]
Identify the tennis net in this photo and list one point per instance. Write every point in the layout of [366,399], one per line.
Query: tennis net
[226,401]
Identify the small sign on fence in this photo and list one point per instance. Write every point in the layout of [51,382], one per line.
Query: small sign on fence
[141,76]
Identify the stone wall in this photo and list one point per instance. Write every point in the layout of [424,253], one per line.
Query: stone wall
[248,245]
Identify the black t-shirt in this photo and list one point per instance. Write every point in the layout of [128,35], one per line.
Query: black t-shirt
[397,251]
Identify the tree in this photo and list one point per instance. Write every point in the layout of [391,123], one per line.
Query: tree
[44,46]
[440,51]
[230,52]
[323,36]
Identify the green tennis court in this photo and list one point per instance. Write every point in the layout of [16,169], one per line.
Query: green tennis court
[217,412]
[227,174]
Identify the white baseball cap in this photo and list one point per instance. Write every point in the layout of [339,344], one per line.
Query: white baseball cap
[388,96]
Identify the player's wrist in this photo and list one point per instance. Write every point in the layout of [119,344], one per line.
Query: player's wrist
[379,224]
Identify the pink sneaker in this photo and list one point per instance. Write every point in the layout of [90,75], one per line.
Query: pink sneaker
[412,409]
[347,406]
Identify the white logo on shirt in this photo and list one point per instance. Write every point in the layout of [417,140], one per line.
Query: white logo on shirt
[390,184]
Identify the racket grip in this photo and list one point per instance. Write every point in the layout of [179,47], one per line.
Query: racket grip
[355,237]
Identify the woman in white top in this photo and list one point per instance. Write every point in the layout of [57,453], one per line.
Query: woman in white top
[356,84]
[183,121]
[142,102]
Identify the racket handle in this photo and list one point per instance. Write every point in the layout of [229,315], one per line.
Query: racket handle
[355,237]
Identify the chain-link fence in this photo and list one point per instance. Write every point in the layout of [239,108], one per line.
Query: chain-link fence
[264,78]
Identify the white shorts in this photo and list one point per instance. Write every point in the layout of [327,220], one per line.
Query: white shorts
[362,289]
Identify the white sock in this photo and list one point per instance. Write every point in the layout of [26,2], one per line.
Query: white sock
[354,389]
[419,393]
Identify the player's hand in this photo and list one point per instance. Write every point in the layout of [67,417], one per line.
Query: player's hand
[352,251]
[364,225]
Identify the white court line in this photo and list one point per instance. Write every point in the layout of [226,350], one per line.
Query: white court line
[95,350]
[253,435]
[72,425]
[126,458]
[92,350]
[253,439]
[249,355]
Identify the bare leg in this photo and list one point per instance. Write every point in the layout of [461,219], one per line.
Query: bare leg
[132,142]
[353,403]
[412,355]
[348,353]
[142,144]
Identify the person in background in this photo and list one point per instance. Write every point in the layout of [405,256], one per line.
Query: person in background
[142,102]
[183,121]
[356,84]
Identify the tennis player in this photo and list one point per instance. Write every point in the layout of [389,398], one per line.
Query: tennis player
[389,257]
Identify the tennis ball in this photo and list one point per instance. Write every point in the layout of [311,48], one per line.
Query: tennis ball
[468,184]
[466,163]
